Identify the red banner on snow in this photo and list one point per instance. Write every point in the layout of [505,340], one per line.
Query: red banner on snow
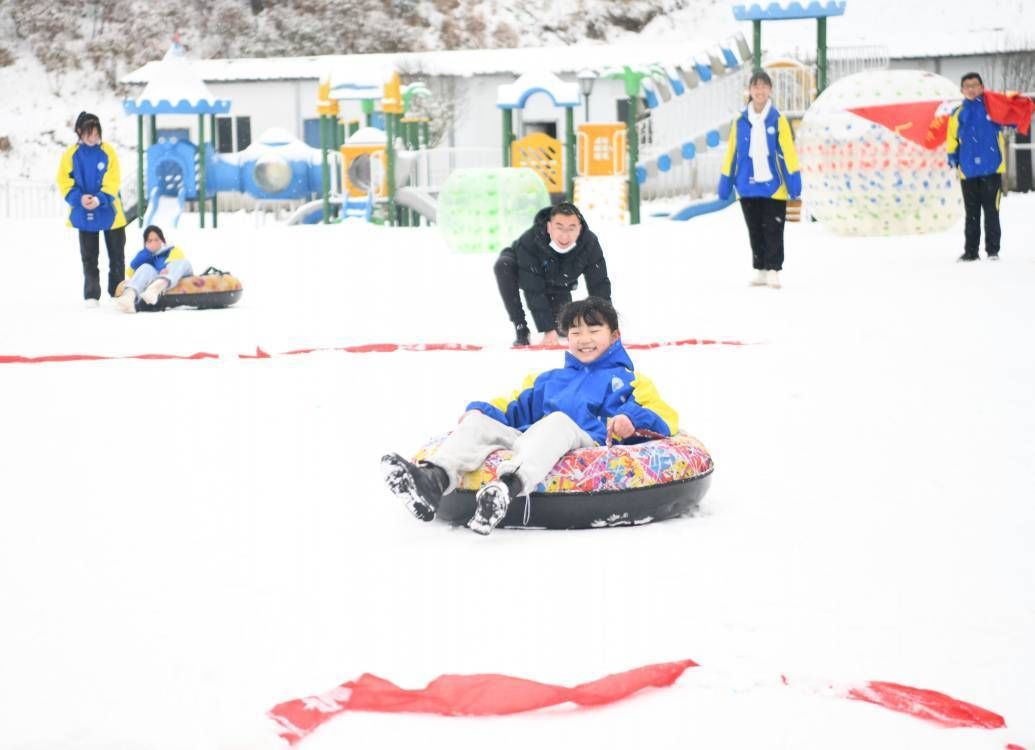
[465,695]
[499,695]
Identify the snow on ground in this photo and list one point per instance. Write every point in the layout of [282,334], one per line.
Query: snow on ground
[184,544]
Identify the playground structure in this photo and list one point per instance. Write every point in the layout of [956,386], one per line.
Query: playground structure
[277,166]
[391,174]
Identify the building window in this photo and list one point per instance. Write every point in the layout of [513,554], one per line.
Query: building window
[225,127]
[311,132]
[224,135]
[244,133]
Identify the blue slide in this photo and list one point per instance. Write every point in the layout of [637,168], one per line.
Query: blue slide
[705,206]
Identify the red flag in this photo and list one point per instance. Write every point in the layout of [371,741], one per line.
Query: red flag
[924,123]
[1010,108]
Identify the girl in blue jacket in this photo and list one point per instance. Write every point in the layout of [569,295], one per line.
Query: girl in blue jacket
[88,179]
[596,392]
[762,165]
[153,271]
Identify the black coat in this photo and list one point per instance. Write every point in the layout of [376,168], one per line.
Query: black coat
[542,270]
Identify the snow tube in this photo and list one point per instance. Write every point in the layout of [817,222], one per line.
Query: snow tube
[598,487]
[213,288]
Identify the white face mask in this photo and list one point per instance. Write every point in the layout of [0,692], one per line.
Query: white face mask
[562,251]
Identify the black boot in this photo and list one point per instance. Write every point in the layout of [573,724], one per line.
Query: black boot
[491,503]
[521,335]
[420,487]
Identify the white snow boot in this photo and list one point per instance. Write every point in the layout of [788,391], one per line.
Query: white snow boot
[759,278]
[154,291]
[127,301]
[772,279]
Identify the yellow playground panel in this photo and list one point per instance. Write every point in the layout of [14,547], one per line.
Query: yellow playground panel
[602,149]
[543,155]
[361,165]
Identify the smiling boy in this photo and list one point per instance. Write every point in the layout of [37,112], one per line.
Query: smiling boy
[596,392]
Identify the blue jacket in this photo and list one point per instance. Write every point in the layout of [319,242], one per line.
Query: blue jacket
[91,170]
[159,260]
[739,172]
[588,393]
[974,143]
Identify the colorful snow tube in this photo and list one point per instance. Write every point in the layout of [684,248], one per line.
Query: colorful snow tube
[213,288]
[599,487]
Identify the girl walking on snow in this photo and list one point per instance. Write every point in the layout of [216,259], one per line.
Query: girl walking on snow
[762,165]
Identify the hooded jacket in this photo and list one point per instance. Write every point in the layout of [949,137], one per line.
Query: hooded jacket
[973,142]
[588,393]
[541,268]
[91,170]
[738,171]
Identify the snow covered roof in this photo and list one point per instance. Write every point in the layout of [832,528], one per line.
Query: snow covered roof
[174,88]
[362,68]
[514,95]
[788,10]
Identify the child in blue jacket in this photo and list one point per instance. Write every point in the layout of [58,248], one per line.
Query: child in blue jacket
[153,271]
[976,148]
[596,392]
[88,179]
[762,165]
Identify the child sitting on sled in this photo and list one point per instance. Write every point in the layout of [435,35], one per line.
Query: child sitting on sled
[596,392]
[153,271]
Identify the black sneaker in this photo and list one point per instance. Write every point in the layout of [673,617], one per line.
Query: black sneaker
[521,335]
[420,487]
[966,258]
[491,503]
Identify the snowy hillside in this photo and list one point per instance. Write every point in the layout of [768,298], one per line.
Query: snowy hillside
[186,543]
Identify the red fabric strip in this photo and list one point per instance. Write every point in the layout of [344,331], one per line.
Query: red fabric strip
[927,704]
[465,695]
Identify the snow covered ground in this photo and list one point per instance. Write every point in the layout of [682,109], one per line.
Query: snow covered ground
[184,544]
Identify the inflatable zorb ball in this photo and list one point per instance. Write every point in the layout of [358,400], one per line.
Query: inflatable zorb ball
[872,154]
[484,210]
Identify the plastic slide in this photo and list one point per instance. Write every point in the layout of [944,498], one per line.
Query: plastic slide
[164,210]
[419,201]
[703,206]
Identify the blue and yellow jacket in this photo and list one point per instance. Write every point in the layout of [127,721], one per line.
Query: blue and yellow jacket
[91,170]
[974,143]
[159,260]
[588,393]
[738,171]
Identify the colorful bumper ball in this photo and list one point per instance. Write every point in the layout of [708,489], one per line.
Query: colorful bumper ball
[211,289]
[598,487]
[872,153]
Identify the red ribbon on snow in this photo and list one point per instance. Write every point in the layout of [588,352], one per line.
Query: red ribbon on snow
[929,705]
[498,695]
[465,695]
[260,353]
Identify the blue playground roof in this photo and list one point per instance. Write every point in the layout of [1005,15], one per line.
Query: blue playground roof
[182,107]
[789,10]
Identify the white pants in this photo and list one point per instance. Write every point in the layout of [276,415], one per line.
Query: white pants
[173,271]
[535,451]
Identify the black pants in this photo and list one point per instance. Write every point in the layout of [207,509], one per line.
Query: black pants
[981,194]
[765,219]
[89,249]
[506,271]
